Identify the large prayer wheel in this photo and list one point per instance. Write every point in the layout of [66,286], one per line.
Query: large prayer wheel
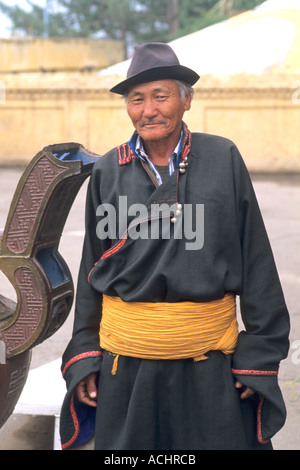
[30,259]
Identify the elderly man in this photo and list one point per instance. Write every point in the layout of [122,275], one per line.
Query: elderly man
[173,235]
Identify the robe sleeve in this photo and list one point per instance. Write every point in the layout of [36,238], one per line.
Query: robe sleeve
[264,341]
[83,354]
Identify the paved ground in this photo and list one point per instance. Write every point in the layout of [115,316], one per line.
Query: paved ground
[279,198]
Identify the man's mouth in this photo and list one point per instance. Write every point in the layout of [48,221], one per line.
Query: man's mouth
[152,124]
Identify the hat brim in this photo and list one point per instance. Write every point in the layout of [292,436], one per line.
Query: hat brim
[172,72]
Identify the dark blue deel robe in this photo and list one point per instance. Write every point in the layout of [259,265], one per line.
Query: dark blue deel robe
[179,404]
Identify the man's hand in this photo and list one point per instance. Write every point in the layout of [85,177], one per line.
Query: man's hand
[247,391]
[87,391]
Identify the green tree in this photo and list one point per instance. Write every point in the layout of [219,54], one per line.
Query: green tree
[32,23]
[22,20]
[132,21]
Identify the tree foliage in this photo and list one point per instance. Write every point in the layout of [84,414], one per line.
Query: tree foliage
[132,21]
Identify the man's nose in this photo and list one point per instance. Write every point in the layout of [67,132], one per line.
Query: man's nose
[150,109]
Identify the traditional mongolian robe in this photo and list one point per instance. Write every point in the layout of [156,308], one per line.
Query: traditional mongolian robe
[178,403]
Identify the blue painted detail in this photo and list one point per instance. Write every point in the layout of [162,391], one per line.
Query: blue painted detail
[54,266]
[75,154]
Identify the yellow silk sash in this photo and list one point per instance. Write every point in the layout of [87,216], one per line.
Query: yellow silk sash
[168,330]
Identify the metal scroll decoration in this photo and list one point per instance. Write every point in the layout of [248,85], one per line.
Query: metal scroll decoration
[30,259]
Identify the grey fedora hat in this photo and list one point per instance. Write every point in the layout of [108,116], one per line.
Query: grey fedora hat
[154,61]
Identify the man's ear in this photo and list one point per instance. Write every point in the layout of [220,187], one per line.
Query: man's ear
[188,102]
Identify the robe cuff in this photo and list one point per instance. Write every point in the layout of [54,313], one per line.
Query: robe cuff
[77,421]
[271,411]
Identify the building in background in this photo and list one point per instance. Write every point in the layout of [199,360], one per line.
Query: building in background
[249,90]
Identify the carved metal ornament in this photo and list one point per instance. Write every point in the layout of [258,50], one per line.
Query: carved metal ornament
[30,259]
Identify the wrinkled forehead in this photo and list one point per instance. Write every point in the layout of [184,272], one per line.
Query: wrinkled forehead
[167,85]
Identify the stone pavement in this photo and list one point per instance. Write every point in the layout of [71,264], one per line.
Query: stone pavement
[279,199]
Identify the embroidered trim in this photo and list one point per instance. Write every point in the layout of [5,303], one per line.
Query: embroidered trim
[259,422]
[72,407]
[268,373]
[114,248]
[79,357]
[186,144]
[186,148]
[76,425]
[255,372]
[125,154]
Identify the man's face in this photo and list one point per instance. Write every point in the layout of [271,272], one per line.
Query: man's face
[156,109]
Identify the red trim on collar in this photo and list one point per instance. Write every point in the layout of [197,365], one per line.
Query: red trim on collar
[125,154]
